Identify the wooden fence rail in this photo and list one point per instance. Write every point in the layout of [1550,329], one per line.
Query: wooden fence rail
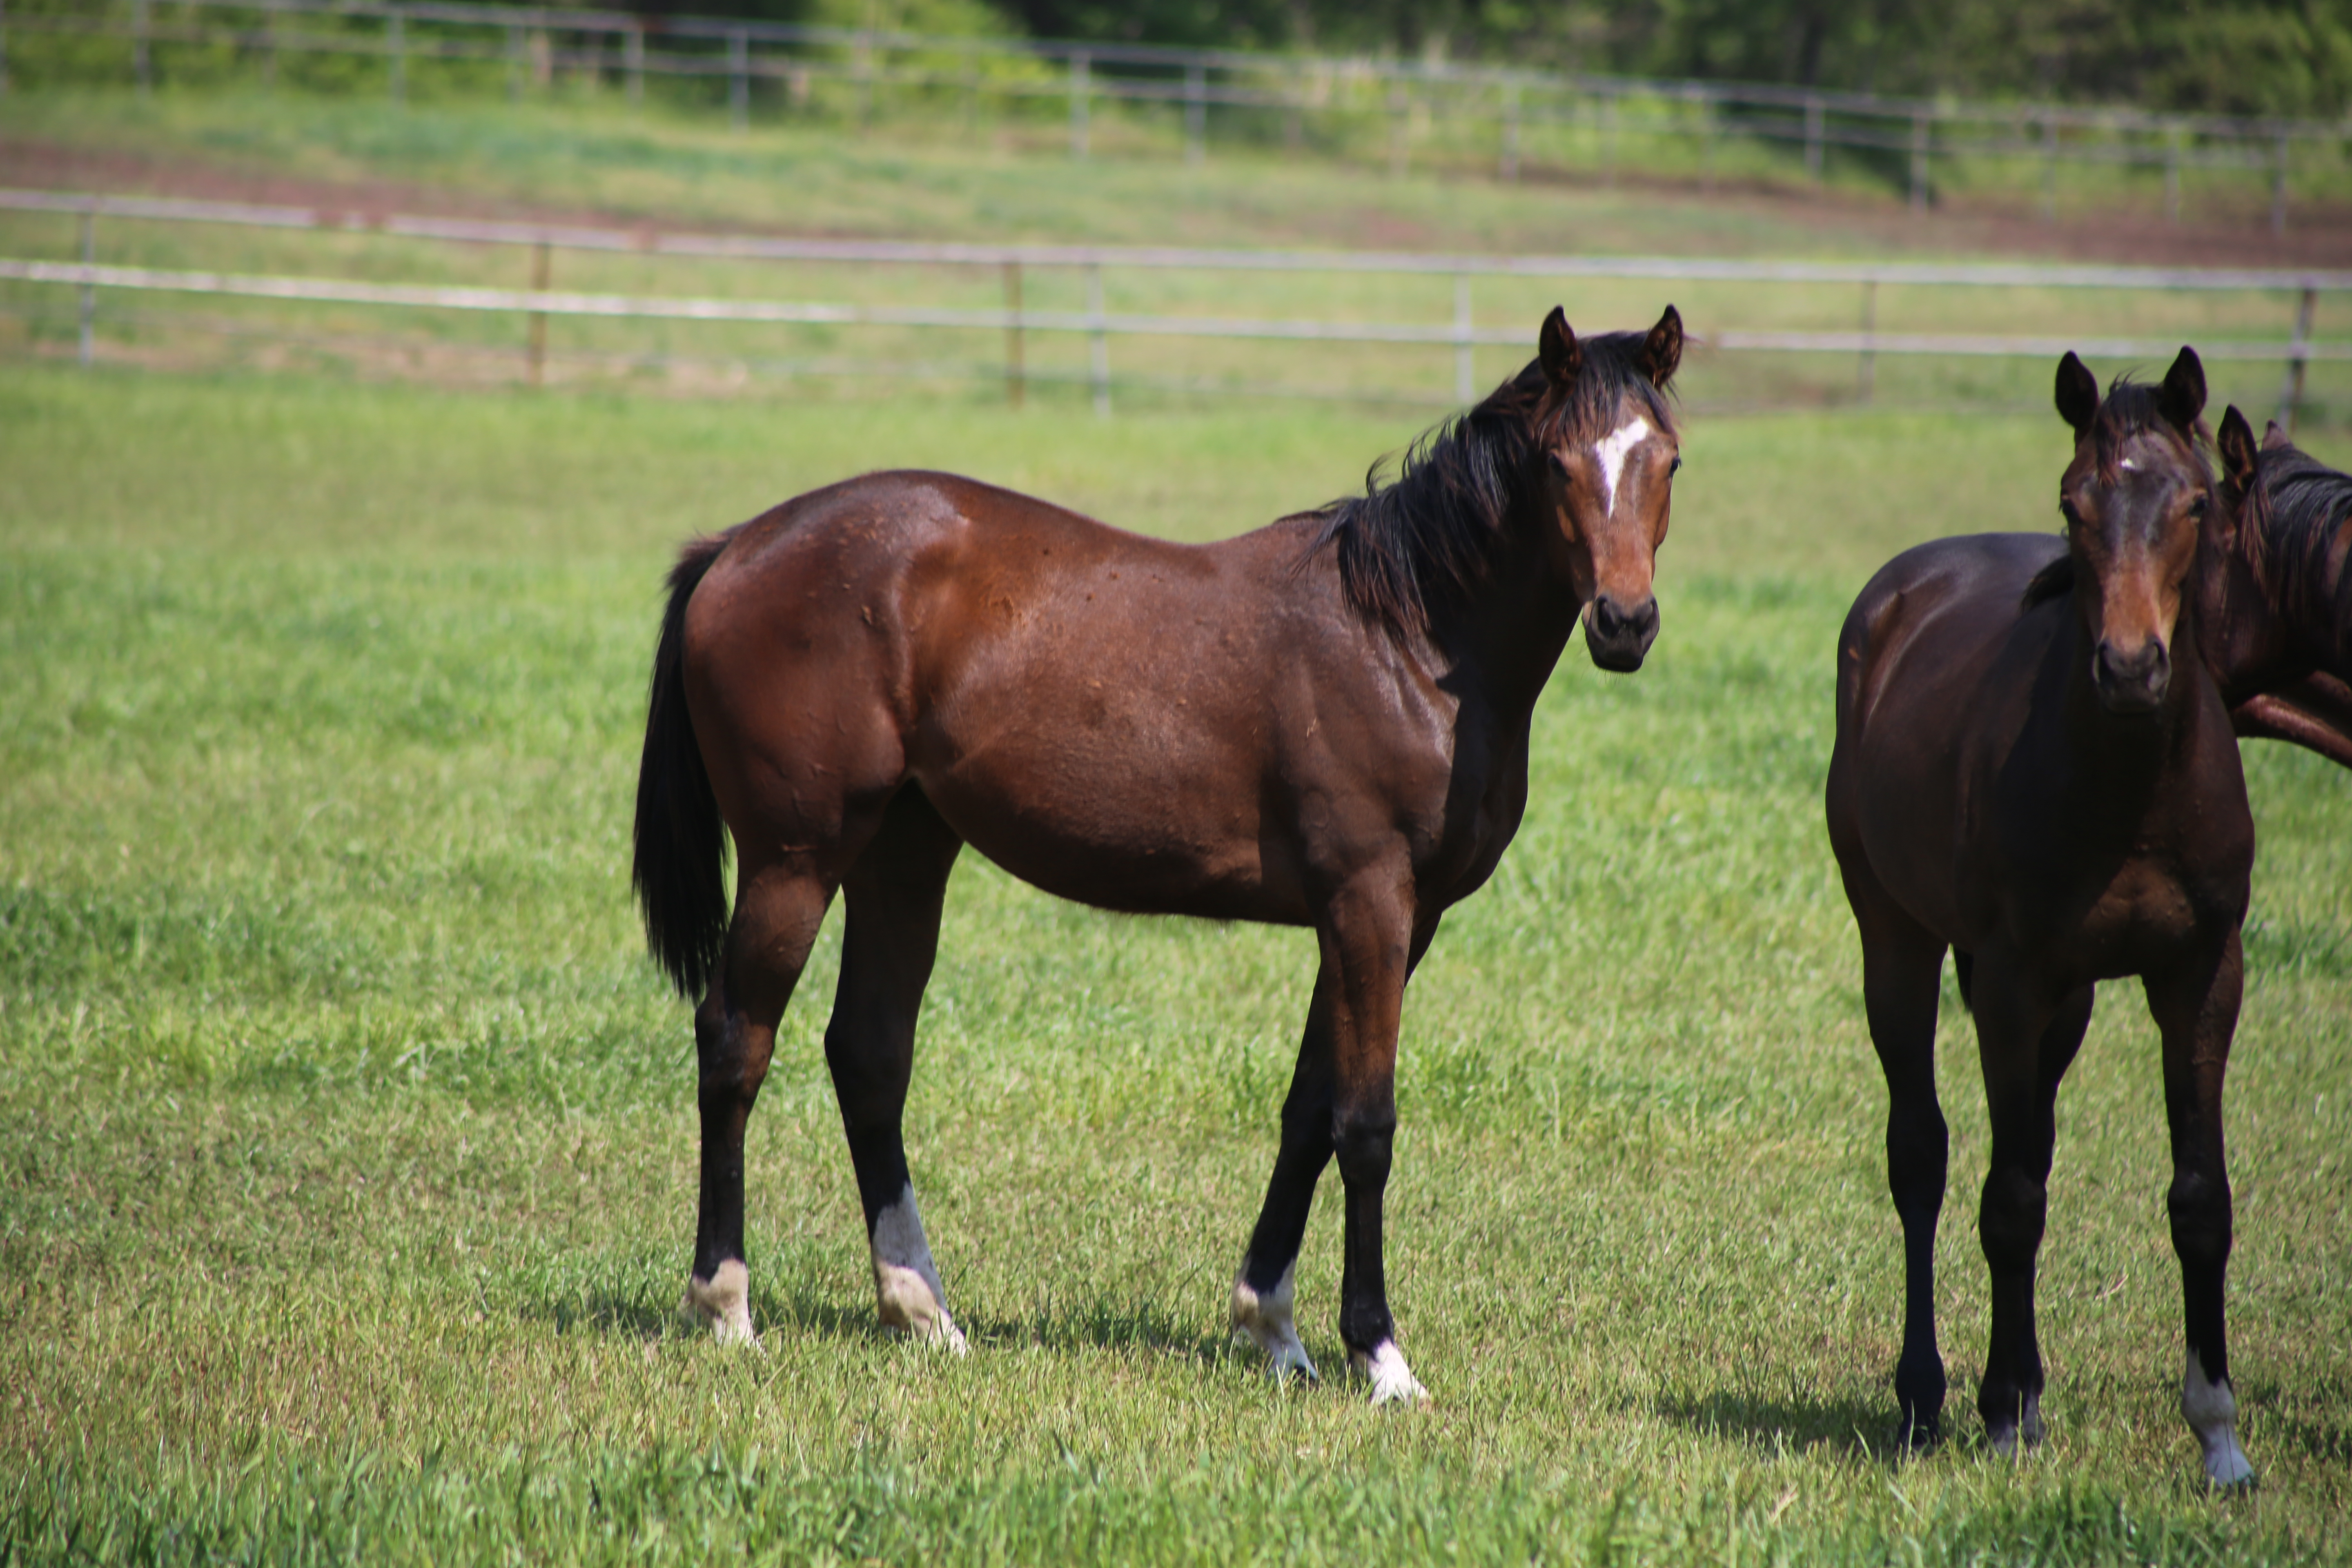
[2299,289]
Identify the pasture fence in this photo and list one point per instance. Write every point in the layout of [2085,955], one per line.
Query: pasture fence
[2298,291]
[1264,96]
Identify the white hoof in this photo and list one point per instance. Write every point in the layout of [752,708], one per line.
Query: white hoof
[1266,1320]
[1393,1381]
[907,1289]
[723,1302]
[2211,1410]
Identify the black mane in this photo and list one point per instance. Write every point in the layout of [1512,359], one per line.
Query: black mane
[2297,505]
[1425,535]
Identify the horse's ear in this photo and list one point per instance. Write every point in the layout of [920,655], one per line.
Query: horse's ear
[1661,350]
[2078,394]
[2182,397]
[2236,442]
[2273,439]
[1560,351]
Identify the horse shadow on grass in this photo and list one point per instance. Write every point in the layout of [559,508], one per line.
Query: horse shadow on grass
[1133,1327]
[1848,1428]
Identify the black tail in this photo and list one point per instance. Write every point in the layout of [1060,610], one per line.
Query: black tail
[680,864]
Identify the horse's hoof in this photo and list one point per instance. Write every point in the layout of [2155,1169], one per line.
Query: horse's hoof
[724,1303]
[1266,1320]
[938,1333]
[1393,1381]
[1921,1435]
[2227,1466]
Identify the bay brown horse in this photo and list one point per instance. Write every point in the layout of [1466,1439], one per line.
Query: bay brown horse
[2036,769]
[2284,653]
[1322,724]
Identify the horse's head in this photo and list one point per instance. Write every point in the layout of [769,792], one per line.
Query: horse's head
[2137,498]
[2239,624]
[1609,450]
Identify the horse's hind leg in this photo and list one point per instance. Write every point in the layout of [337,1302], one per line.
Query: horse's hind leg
[2196,1007]
[894,894]
[778,910]
[2025,1046]
[1902,972]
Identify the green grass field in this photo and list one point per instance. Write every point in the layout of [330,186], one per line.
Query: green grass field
[346,1137]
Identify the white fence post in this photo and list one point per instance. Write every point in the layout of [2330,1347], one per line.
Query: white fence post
[1196,113]
[2298,356]
[1509,168]
[2278,188]
[1867,372]
[1466,370]
[738,78]
[633,54]
[88,293]
[1016,376]
[1919,163]
[1098,348]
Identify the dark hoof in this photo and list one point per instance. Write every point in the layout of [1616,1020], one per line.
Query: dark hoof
[1921,1434]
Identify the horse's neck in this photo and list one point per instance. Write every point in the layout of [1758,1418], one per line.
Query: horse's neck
[1506,635]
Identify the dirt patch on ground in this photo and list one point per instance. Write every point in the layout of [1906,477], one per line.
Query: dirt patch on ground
[2315,236]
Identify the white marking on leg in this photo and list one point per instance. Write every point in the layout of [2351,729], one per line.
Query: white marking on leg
[1266,1320]
[2212,1410]
[1612,451]
[905,1284]
[1391,1379]
[724,1301]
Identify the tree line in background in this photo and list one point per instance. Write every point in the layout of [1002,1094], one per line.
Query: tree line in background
[2227,57]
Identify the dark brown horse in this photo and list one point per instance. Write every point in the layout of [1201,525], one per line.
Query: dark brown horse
[2284,651]
[2036,769]
[1323,723]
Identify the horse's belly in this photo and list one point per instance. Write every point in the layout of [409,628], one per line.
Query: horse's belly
[1121,830]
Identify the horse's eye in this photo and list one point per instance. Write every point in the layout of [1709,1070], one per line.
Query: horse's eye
[1559,463]
[2066,509]
[2197,506]
[1673,467]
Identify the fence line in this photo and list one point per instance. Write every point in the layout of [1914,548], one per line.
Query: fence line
[1462,335]
[726,246]
[741,51]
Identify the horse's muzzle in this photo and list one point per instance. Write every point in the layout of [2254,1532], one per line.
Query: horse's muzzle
[1617,636]
[2132,682]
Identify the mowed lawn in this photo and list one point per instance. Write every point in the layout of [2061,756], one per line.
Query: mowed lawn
[347,1139]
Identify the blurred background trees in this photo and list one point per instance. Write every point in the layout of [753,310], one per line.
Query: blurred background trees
[2242,56]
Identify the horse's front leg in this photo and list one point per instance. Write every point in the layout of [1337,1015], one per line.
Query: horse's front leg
[2196,1007]
[1264,1292]
[2025,1042]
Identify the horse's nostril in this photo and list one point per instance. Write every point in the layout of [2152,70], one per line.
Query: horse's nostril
[2147,669]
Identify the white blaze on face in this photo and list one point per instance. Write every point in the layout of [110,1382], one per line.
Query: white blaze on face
[1393,1381]
[2213,1414]
[1266,1320]
[1612,451]
[724,1301]
[905,1284]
